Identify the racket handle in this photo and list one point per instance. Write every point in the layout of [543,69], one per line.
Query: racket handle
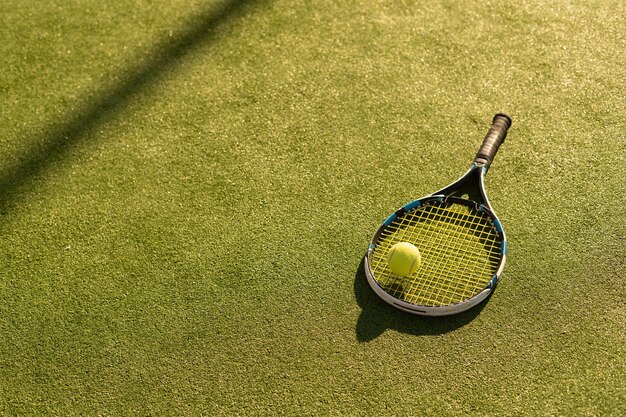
[495,137]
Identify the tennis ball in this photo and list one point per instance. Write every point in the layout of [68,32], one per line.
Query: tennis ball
[404,259]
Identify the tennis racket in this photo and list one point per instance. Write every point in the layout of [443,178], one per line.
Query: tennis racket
[462,242]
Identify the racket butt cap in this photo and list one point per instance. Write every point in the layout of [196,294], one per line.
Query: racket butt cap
[504,116]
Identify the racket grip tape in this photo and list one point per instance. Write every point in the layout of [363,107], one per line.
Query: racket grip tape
[495,137]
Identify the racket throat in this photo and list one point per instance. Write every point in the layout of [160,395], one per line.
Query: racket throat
[469,187]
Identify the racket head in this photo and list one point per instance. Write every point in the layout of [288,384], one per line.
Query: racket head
[463,250]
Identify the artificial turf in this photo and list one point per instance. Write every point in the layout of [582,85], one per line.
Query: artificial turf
[187,189]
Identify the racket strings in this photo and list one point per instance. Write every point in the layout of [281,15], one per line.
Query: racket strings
[460,254]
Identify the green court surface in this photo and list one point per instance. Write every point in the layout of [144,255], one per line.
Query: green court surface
[187,190]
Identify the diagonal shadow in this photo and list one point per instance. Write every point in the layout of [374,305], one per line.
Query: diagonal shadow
[378,316]
[57,143]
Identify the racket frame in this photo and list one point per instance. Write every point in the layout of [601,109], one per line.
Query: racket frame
[469,189]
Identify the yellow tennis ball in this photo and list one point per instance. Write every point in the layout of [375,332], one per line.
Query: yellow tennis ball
[404,259]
